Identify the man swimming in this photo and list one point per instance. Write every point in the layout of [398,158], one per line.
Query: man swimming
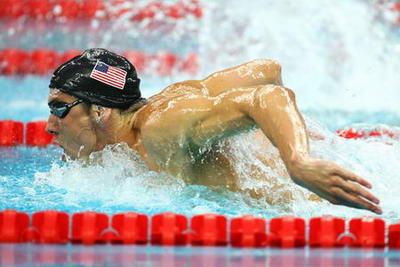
[95,100]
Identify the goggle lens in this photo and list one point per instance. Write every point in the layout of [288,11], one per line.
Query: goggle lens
[61,109]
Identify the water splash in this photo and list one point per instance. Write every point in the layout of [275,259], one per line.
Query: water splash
[341,54]
[375,159]
[327,63]
[118,180]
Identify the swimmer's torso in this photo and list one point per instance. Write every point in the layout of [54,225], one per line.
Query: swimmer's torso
[174,131]
[175,135]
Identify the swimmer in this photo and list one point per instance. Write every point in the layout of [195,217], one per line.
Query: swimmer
[95,100]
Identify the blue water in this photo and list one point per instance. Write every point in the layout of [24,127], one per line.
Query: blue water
[34,107]
[340,57]
[36,179]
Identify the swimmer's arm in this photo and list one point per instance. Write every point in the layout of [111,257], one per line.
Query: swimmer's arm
[274,110]
[253,73]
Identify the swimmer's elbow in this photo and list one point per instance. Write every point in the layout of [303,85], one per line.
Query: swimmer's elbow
[270,69]
[189,86]
[291,94]
[268,64]
[273,95]
[267,61]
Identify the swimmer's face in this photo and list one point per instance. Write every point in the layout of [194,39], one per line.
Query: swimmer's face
[76,132]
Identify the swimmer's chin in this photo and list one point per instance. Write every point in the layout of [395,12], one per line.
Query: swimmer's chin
[83,159]
[65,157]
[73,157]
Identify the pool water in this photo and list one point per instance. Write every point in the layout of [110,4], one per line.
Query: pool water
[36,179]
[342,62]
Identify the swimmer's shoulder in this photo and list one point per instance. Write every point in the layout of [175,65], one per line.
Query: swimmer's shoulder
[189,87]
[164,109]
[172,112]
[173,94]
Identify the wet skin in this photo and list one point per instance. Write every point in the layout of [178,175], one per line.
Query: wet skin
[179,129]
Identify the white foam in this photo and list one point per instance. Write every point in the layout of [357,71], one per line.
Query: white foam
[117,177]
[335,54]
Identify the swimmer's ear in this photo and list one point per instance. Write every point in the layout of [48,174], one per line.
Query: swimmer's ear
[101,114]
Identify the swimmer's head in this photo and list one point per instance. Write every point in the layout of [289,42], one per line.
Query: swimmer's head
[100,77]
[91,100]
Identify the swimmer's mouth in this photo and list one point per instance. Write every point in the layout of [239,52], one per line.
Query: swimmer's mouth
[55,142]
[58,144]
[63,156]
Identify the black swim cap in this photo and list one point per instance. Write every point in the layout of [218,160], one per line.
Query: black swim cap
[99,77]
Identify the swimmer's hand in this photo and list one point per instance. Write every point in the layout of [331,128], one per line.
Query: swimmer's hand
[334,183]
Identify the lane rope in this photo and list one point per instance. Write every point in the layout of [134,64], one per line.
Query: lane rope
[42,61]
[172,229]
[67,10]
[14,133]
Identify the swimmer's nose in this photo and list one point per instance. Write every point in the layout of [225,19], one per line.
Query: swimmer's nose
[51,127]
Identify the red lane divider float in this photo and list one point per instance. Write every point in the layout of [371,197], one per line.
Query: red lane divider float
[394,236]
[87,228]
[131,228]
[36,134]
[50,227]
[248,231]
[287,232]
[13,226]
[209,230]
[62,10]
[44,61]
[171,229]
[368,232]
[12,133]
[325,232]
[353,133]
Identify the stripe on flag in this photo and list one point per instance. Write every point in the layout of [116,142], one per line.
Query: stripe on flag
[109,75]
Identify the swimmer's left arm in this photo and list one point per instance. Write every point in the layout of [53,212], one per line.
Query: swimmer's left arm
[274,110]
[253,73]
[207,119]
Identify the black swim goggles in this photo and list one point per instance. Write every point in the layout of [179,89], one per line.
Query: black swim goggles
[61,109]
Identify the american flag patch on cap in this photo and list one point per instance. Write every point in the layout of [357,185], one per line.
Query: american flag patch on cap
[109,75]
